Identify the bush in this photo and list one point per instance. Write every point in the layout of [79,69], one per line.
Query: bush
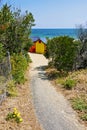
[69,83]
[62,50]
[19,66]
[79,104]
[27,57]
[11,89]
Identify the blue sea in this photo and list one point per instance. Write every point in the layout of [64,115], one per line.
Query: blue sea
[43,33]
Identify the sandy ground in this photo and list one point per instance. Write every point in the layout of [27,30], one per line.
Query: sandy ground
[53,110]
[23,102]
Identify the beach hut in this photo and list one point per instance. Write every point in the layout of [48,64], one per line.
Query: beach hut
[38,47]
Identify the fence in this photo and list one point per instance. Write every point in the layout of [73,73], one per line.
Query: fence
[5,75]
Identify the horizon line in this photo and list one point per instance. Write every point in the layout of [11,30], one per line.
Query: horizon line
[55,28]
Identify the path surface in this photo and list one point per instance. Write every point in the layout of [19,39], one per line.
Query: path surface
[52,109]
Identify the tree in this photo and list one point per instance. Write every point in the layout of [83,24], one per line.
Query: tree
[15,29]
[81,61]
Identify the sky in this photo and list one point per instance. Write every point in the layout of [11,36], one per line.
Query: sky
[53,13]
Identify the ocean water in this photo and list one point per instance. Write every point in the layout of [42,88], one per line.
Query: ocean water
[43,33]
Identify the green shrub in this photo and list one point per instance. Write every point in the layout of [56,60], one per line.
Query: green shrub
[19,66]
[84,117]
[27,57]
[79,104]
[11,88]
[69,83]
[62,51]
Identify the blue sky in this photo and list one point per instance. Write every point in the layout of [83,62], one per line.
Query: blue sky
[54,13]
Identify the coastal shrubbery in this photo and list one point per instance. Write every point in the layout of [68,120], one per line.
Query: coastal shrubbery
[62,51]
[15,30]
[66,53]
[19,66]
[68,56]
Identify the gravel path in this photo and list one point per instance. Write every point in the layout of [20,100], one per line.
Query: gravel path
[52,109]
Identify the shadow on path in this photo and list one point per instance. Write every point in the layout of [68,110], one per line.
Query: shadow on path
[41,72]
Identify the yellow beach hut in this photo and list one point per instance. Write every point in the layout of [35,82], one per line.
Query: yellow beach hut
[39,45]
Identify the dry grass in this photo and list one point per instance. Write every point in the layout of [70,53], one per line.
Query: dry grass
[23,102]
[78,91]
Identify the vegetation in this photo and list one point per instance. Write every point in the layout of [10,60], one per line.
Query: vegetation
[15,29]
[74,86]
[68,56]
[59,50]
[80,104]
[19,66]
[66,53]
[84,117]
[81,60]
[11,89]
[2,52]
[69,83]
[15,116]
[14,37]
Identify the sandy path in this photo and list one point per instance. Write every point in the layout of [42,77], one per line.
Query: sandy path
[52,109]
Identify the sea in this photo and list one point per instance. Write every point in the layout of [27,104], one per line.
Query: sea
[50,33]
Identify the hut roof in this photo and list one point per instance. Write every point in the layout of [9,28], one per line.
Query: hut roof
[35,39]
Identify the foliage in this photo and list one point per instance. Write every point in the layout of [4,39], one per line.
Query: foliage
[15,29]
[19,66]
[29,43]
[79,104]
[11,89]
[59,50]
[26,55]
[81,61]
[2,53]
[15,115]
[69,83]
[84,117]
